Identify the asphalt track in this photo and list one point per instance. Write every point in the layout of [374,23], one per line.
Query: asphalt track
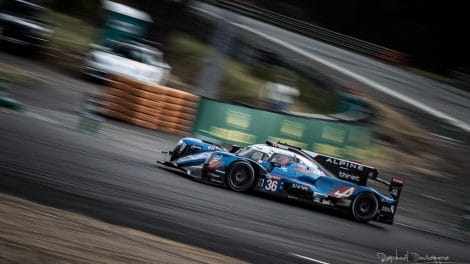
[108,180]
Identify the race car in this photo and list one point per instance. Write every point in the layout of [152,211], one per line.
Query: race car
[288,171]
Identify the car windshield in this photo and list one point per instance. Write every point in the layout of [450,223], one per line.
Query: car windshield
[129,52]
[253,154]
[151,57]
[282,159]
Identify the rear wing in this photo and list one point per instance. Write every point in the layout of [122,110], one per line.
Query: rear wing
[358,173]
[347,170]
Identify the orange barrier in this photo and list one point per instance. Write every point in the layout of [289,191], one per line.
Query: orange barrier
[151,106]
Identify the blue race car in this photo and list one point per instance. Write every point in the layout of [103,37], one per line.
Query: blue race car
[288,171]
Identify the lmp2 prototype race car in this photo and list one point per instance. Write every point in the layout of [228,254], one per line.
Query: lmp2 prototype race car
[288,171]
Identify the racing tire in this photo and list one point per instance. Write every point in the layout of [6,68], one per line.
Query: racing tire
[364,207]
[240,176]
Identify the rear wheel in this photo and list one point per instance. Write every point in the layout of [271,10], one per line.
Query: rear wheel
[364,207]
[240,177]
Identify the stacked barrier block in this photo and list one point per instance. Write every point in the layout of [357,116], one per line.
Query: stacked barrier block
[151,106]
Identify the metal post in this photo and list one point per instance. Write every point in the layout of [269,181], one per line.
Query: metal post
[212,73]
[5,87]
[90,119]
[466,217]
[5,99]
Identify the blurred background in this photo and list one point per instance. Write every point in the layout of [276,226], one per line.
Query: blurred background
[381,82]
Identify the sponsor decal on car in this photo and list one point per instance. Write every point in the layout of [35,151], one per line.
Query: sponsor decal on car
[398,181]
[274,177]
[348,176]
[388,209]
[271,184]
[299,187]
[342,192]
[346,164]
[302,170]
[323,201]
[214,164]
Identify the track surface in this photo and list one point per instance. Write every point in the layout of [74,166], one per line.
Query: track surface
[108,180]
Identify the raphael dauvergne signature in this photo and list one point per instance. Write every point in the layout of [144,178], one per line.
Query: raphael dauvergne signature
[412,257]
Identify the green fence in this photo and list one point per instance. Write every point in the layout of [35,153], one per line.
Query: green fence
[234,124]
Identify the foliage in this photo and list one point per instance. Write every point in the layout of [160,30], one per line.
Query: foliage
[71,33]
[88,9]
[185,54]
[243,82]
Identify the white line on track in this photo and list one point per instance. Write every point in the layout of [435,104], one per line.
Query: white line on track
[449,119]
[431,197]
[452,140]
[40,117]
[307,258]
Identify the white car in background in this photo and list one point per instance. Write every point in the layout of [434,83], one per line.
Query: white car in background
[134,60]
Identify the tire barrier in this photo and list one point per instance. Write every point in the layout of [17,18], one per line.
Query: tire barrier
[150,106]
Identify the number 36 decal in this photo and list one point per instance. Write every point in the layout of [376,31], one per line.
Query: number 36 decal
[269,185]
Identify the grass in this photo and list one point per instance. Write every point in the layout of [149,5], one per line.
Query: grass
[71,33]
[244,83]
[390,122]
[14,75]
[241,82]
[401,145]
[186,56]
[239,86]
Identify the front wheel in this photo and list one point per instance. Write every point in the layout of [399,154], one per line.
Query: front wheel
[240,177]
[364,207]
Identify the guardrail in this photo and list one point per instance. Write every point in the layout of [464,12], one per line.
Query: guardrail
[313,31]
